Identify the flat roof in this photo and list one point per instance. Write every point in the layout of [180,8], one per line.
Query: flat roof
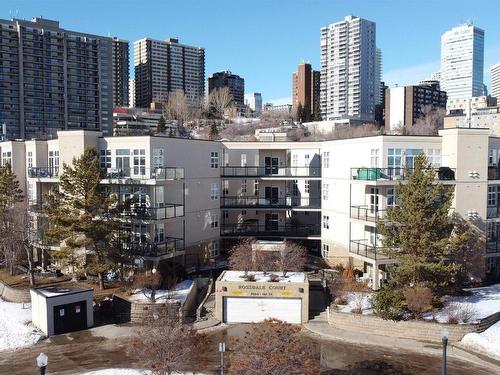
[57,291]
[260,277]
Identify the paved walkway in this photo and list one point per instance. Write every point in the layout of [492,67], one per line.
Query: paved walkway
[319,326]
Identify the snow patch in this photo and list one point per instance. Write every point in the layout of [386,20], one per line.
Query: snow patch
[357,300]
[176,295]
[291,277]
[487,342]
[16,329]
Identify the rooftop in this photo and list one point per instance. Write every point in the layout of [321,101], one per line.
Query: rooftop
[260,277]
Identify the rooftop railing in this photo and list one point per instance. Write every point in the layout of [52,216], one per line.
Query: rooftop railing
[271,230]
[397,173]
[274,171]
[259,202]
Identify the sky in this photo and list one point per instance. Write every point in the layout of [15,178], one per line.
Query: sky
[264,40]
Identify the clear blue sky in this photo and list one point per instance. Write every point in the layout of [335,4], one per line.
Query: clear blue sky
[264,40]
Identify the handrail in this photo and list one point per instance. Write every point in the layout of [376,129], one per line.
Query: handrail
[270,230]
[363,248]
[397,173]
[287,201]
[262,171]
[143,173]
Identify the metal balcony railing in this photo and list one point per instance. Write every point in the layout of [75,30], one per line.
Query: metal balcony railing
[367,213]
[168,246]
[258,171]
[363,248]
[397,173]
[259,202]
[169,211]
[143,173]
[271,230]
[493,245]
[43,172]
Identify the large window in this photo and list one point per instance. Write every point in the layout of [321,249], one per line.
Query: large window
[434,157]
[30,159]
[54,162]
[410,155]
[374,161]
[256,187]
[326,222]
[391,197]
[326,159]
[105,159]
[243,186]
[325,192]
[214,191]
[6,158]
[295,188]
[307,187]
[394,161]
[373,200]
[326,250]
[159,232]
[214,221]
[492,196]
[243,160]
[139,161]
[214,249]
[214,159]
[158,158]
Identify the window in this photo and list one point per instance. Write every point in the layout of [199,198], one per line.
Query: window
[410,156]
[243,160]
[326,250]
[394,161]
[6,157]
[139,161]
[214,159]
[243,212]
[325,192]
[243,186]
[214,191]
[225,187]
[374,158]
[492,196]
[54,162]
[30,159]
[307,187]
[373,200]
[105,159]
[295,188]
[256,187]
[326,222]
[214,221]
[158,158]
[372,233]
[326,160]
[159,233]
[306,160]
[225,214]
[214,249]
[434,157]
[391,197]
[295,160]
[492,157]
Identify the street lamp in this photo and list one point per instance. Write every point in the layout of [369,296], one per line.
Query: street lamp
[41,362]
[153,285]
[222,349]
[444,338]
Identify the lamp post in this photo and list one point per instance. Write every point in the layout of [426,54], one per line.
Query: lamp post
[444,338]
[153,286]
[222,349]
[42,360]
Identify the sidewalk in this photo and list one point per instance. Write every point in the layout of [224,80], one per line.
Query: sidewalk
[320,327]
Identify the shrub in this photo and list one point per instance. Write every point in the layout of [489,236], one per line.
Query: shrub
[340,300]
[388,304]
[250,277]
[273,278]
[460,313]
[418,299]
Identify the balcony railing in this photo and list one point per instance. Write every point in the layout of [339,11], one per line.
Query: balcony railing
[367,213]
[271,230]
[43,172]
[397,173]
[142,173]
[493,246]
[492,212]
[168,246]
[169,211]
[281,171]
[259,202]
[363,248]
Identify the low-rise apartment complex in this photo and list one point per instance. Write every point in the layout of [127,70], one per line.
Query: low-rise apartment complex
[195,198]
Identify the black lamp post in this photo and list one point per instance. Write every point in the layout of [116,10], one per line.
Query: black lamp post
[444,339]
[42,360]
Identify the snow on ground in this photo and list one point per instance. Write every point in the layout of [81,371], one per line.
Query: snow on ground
[291,277]
[487,342]
[482,303]
[127,371]
[16,329]
[357,300]
[177,295]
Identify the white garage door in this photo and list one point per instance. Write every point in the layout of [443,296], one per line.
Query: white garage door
[249,310]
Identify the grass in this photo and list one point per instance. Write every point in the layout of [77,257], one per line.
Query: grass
[22,280]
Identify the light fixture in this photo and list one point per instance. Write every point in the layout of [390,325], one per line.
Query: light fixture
[42,360]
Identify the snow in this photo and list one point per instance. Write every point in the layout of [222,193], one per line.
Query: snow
[177,295]
[16,329]
[487,342]
[291,277]
[355,300]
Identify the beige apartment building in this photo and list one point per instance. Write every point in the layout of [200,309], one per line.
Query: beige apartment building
[197,198]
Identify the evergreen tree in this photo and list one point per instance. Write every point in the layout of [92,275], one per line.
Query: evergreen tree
[214,131]
[418,233]
[82,215]
[300,112]
[162,125]
[171,133]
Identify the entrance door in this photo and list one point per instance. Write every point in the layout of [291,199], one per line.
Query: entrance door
[272,222]
[271,195]
[271,164]
[70,317]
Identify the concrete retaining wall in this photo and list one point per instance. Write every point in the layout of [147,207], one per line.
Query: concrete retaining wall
[416,330]
[8,293]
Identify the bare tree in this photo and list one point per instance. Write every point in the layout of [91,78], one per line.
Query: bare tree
[241,256]
[148,282]
[431,120]
[177,107]
[272,347]
[221,102]
[168,346]
[293,257]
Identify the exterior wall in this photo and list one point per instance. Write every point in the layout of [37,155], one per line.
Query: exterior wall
[495,81]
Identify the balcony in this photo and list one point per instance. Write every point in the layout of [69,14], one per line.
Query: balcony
[493,245]
[367,213]
[270,230]
[247,171]
[142,173]
[397,173]
[259,202]
[43,172]
[367,250]
[168,211]
[152,249]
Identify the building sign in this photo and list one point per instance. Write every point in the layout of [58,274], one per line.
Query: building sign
[261,290]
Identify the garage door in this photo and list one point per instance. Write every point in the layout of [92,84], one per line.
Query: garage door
[248,310]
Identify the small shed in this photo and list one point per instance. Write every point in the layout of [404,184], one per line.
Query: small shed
[56,310]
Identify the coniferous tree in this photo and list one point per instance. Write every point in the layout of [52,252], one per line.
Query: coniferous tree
[162,125]
[83,216]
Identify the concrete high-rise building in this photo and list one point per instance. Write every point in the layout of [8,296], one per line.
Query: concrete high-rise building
[162,67]
[131,91]
[121,69]
[462,61]
[405,104]
[254,101]
[53,79]
[306,88]
[495,81]
[348,69]
[379,94]
[233,82]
